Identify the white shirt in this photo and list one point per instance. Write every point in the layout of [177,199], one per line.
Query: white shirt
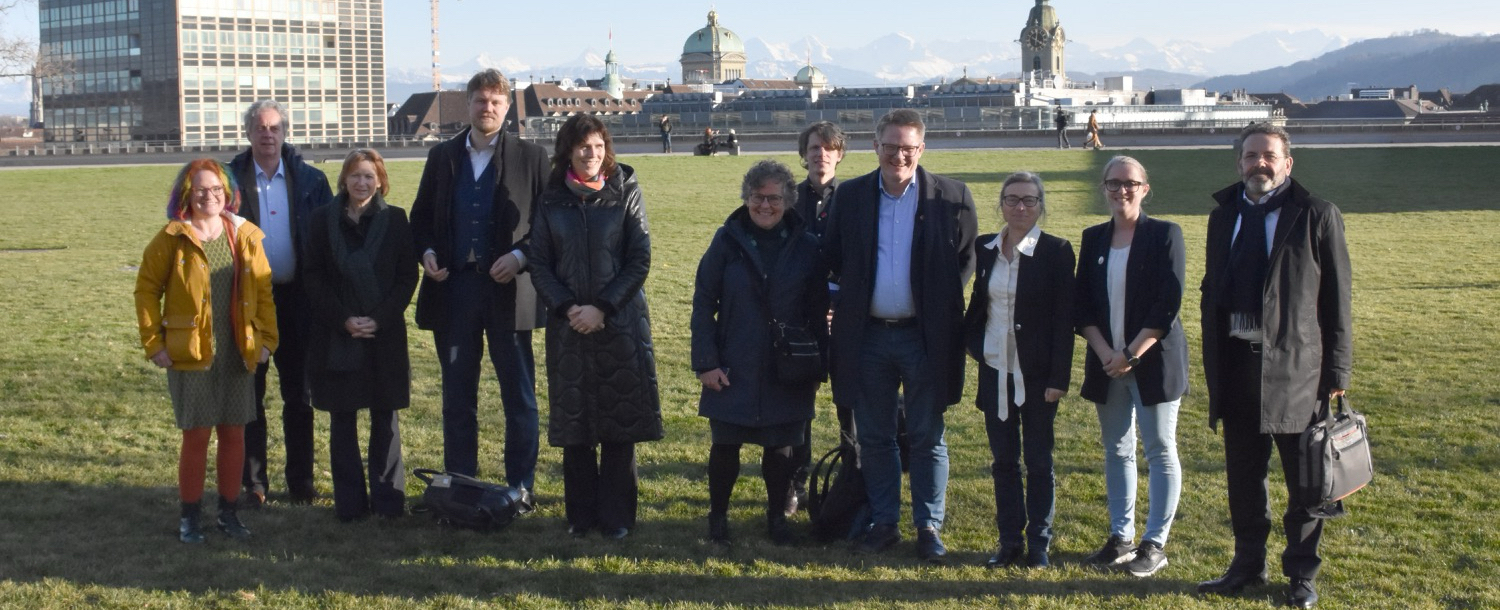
[1115,276]
[275,221]
[999,334]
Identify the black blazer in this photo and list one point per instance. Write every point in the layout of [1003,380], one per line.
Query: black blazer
[942,262]
[1043,319]
[1154,279]
[521,177]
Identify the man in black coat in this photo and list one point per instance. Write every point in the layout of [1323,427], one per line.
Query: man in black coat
[821,146]
[901,243]
[279,193]
[1277,344]
[471,222]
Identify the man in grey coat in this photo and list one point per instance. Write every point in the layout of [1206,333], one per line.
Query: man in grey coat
[1277,344]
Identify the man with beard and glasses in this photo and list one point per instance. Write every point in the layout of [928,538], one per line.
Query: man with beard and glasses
[1276,346]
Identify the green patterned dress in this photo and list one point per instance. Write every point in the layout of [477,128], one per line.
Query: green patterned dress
[225,393]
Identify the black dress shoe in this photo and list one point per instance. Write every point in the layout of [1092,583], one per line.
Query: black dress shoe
[1233,581]
[1006,557]
[618,533]
[930,546]
[1301,593]
[878,539]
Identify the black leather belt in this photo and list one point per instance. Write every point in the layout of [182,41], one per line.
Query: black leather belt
[893,323]
[1253,346]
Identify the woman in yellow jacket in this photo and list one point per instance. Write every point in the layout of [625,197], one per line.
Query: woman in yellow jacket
[203,301]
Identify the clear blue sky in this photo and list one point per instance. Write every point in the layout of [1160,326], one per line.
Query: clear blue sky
[542,33]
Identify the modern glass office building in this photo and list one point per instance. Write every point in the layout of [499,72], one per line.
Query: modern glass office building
[184,71]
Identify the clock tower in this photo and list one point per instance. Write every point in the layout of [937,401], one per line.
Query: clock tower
[1042,43]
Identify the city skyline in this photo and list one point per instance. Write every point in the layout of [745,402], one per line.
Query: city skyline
[654,30]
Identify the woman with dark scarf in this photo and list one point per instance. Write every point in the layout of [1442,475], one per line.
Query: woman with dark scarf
[361,272]
[762,265]
[590,253]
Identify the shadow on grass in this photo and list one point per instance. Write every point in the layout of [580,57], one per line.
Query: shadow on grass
[125,538]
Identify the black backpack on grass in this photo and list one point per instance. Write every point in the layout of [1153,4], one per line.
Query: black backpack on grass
[836,501]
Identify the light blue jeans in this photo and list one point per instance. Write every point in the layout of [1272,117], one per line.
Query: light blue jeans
[1118,419]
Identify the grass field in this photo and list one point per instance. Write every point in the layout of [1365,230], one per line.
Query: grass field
[88,450]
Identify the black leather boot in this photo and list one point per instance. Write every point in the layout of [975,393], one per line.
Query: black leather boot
[188,528]
[229,521]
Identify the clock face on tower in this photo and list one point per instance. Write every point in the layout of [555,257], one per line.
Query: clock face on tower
[1034,37]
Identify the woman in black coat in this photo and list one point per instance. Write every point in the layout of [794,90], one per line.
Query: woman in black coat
[763,257]
[1020,320]
[590,253]
[1130,280]
[361,272]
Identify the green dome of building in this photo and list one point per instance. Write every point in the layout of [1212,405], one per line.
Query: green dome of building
[713,54]
[713,38]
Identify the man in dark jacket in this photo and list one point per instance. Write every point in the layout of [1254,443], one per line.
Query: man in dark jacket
[901,243]
[471,222]
[279,192]
[1061,121]
[821,146]
[1276,345]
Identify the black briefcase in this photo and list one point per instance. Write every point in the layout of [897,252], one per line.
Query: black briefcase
[1335,459]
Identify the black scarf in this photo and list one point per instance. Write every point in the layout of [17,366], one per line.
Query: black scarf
[1248,261]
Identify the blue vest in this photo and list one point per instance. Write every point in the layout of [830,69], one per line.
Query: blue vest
[473,214]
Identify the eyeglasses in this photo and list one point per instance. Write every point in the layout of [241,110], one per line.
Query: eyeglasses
[211,190]
[1029,201]
[1130,186]
[771,199]
[890,150]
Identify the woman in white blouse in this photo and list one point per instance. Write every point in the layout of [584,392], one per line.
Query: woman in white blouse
[1130,281]
[1019,328]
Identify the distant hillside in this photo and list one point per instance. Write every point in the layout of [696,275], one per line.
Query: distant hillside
[1430,60]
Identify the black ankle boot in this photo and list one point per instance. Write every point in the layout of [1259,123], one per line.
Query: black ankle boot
[229,521]
[718,528]
[188,528]
[777,528]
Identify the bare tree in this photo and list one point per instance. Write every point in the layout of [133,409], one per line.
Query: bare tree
[17,51]
[23,57]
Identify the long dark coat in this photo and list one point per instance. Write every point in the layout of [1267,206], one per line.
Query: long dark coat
[1154,279]
[1042,322]
[731,328]
[1309,343]
[383,381]
[596,251]
[942,263]
[521,175]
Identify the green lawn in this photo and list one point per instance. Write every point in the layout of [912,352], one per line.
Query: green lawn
[88,450]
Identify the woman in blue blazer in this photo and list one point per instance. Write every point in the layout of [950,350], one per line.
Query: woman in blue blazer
[1020,321]
[1130,280]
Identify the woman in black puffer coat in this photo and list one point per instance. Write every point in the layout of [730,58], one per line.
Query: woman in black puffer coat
[589,257]
[763,257]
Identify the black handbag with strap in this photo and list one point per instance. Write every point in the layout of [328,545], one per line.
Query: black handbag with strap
[1335,459]
[467,502]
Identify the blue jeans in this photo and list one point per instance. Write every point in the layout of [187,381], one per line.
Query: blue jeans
[1021,510]
[1158,424]
[471,320]
[890,359]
